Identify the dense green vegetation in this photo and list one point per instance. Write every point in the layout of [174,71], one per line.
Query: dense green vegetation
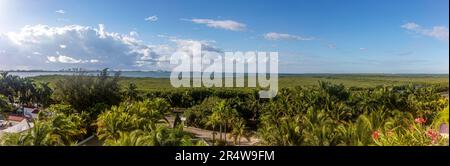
[140,124]
[52,128]
[312,110]
[85,105]
[24,90]
[289,81]
[332,115]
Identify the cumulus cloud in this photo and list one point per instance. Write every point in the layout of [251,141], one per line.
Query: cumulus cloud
[188,47]
[63,59]
[47,47]
[284,36]
[53,48]
[134,34]
[437,32]
[220,24]
[151,18]
[60,11]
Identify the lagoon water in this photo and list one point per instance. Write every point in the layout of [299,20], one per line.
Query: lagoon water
[133,74]
[166,74]
[141,74]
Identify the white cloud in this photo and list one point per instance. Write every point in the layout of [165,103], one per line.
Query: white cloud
[362,49]
[284,36]
[220,24]
[151,18]
[437,32]
[134,34]
[410,26]
[63,59]
[41,47]
[94,61]
[180,45]
[52,59]
[60,11]
[84,46]
[67,59]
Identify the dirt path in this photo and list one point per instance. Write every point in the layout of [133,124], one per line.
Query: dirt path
[445,94]
[208,134]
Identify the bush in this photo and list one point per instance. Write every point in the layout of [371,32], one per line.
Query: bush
[197,116]
[83,92]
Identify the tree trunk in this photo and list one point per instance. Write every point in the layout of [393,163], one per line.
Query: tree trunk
[239,140]
[220,132]
[226,132]
[214,136]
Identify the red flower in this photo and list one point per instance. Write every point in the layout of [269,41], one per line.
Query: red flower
[433,135]
[376,135]
[420,120]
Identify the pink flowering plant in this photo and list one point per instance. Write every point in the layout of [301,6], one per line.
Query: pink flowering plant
[416,135]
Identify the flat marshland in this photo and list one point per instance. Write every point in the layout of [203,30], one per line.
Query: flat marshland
[285,81]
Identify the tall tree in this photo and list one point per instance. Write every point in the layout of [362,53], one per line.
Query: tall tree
[84,92]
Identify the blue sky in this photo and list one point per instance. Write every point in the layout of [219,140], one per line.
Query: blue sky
[311,36]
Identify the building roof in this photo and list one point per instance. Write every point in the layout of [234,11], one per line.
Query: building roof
[15,118]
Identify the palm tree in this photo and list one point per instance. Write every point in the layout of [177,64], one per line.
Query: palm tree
[238,130]
[43,94]
[145,116]
[111,123]
[67,127]
[229,116]
[39,135]
[213,121]
[217,116]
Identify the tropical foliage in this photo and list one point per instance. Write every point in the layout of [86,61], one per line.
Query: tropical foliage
[323,115]
[333,115]
[50,129]
[140,123]
[24,90]
[83,92]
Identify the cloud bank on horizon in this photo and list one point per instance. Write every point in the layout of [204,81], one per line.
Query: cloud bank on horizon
[88,47]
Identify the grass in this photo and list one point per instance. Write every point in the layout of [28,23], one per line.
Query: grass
[349,80]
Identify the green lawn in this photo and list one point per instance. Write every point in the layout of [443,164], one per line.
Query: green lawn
[349,80]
